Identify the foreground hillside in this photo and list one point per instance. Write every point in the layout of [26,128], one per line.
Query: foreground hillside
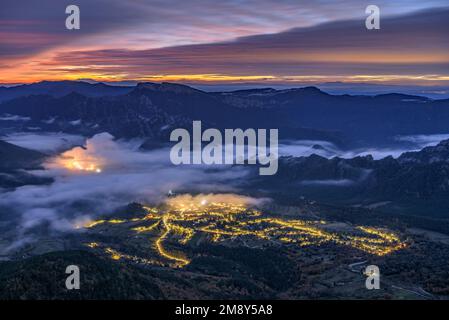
[14,160]
[156,253]
[43,277]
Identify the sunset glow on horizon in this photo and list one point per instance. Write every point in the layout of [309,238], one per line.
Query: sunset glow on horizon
[267,42]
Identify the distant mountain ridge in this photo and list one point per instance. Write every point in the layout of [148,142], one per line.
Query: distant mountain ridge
[150,109]
[419,180]
[62,88]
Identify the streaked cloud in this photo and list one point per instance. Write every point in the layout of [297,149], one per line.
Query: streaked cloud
[264,40]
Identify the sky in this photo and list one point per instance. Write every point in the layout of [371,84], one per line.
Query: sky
[229,41]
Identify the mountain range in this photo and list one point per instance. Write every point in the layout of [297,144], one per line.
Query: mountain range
[414,183]
[61,88]
[150,110]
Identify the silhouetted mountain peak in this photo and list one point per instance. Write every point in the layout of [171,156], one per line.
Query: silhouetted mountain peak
[250,92]
[438,153]
[308,90]
[167,87]
[312,89]
[62,88]
[403,97]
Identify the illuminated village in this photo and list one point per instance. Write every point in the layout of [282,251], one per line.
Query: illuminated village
[167,230]
[79,160]
[181,220]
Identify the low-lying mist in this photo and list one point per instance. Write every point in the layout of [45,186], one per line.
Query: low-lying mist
[102,176]
[97,177]
[47,142]
[305,148]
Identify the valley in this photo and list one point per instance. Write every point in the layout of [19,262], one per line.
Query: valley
[99,190]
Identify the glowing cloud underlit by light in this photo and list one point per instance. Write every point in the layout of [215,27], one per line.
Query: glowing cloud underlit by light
[80,159]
